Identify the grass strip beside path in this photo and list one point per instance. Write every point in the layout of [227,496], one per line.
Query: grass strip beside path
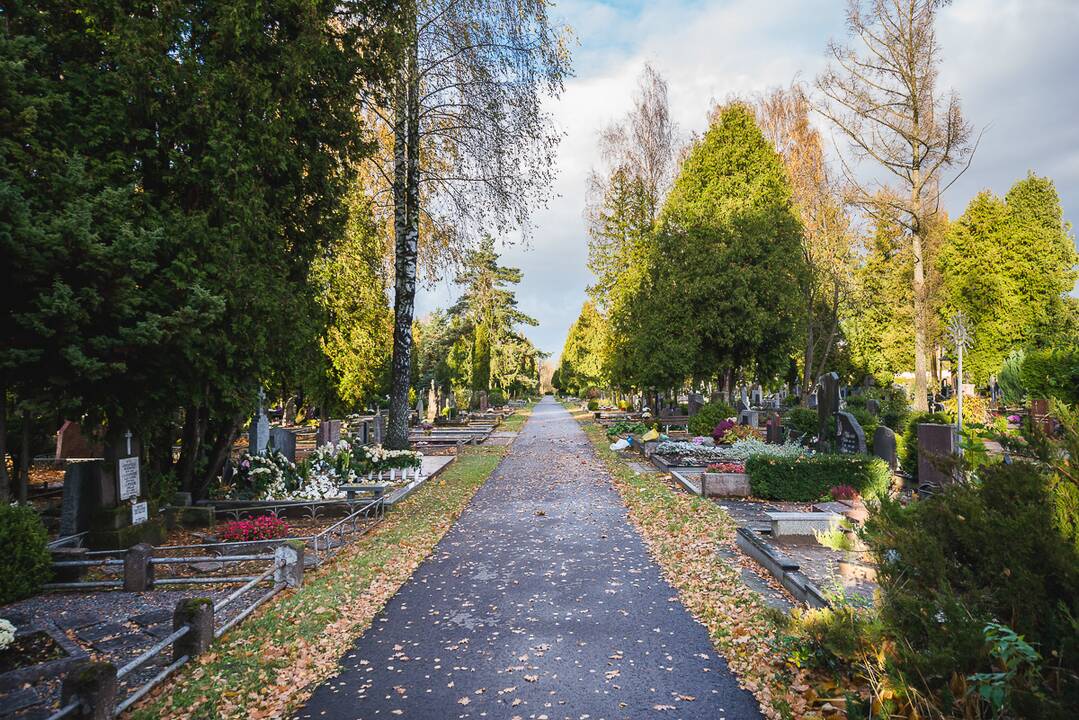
[683,532]
[271,662]
[516,421]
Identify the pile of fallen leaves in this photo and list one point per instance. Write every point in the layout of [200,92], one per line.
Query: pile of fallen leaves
[272,661]
[683,532]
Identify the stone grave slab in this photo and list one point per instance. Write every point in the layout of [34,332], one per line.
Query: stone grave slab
[801,524]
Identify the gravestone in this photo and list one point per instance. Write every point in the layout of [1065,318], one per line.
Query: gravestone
[72,442]
[258,436]
[284,441]
[827,407]
[432,403]
[419,406]
[850,438]
[811,403]
[935,442]
[757,397]
[774,432]
[884,446]
[743,399]
[752,418]
[122,517]
[82,495]
[288,414]
[1039,415]
[482,402]
[695,403]
[378,426]
[329,432]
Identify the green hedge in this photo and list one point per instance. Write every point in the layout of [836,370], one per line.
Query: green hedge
[706,419]
[809,478]
[25,563]
[1052,374]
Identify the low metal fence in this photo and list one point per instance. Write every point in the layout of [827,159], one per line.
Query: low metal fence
[282,573]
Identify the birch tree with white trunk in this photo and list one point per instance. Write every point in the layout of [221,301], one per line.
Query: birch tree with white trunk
[473,147]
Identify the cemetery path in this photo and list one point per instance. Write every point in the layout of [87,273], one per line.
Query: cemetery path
[541,602]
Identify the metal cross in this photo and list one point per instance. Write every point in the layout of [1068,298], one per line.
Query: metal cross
[959,330]
[128,436]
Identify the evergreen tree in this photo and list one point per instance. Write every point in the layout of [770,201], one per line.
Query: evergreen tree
[728,261]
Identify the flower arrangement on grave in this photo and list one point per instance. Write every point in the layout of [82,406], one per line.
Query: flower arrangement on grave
[844,492]
[263,476]
[376,458]
[720,431]
[726,467]
[699,440]
[738,432]
[264,527]
[7,634]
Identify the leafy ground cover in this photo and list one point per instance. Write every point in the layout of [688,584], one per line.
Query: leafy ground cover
[683,533]
[269,663]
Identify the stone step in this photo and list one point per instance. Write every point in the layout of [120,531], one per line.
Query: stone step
[801,524]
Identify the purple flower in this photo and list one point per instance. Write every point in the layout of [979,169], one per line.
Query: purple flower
[1013,418]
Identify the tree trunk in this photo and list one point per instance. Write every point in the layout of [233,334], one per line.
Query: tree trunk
[406,196]
[226,435]
[24,459]
[921,403]
[190,438]
[5,479]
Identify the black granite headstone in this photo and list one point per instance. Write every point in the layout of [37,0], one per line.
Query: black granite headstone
[935,443]
[82,495]
[884,446]
[827,407]
[850,438]
[284,441]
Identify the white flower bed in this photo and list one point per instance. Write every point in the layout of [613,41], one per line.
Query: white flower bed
[740,451]
[7,634]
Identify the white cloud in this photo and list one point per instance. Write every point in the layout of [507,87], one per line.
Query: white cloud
[1011,61]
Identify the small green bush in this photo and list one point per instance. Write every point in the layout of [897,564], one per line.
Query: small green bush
[973,555]
[801,420]
[496,398]
[908,459]
[593,405]
[24,561]
[809,478]
[1010,378]
[834,637]
[866,419]
[1052,374]
[708,417]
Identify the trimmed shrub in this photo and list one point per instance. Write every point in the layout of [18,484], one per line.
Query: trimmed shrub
[908,458]
[706,419]
[25,563]
[950,565]
[496,398]
[801,420]
[1052,374]
[811,477]
[593,405]
[866,419]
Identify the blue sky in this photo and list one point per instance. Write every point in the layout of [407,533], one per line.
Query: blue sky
[1013,63]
